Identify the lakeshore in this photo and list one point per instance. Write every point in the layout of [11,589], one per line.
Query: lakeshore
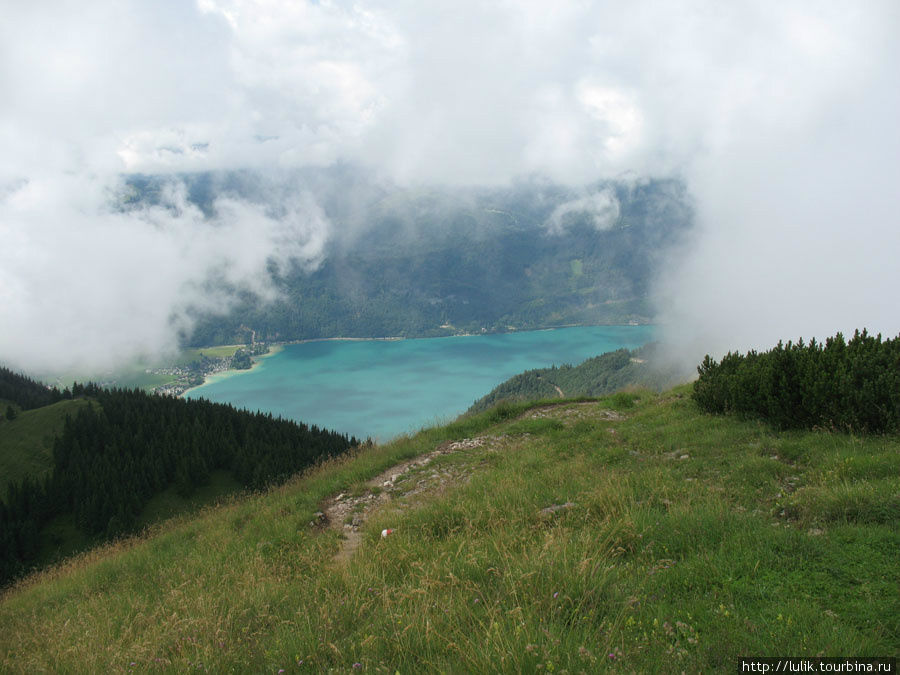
[276,347]
[220,375]
[382,388]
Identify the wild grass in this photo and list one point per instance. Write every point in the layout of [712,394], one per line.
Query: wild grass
[688,540]
[26,443]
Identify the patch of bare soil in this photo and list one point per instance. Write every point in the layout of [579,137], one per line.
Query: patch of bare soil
[348,513]
[573,412]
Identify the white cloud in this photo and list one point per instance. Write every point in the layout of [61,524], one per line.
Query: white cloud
[106,285]
[780,115]
[600,208]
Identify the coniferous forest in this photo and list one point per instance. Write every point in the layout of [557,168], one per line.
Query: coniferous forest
[845,385]
[27,393]
[128,445]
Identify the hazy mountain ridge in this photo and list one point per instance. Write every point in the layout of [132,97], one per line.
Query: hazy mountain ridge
[427,262]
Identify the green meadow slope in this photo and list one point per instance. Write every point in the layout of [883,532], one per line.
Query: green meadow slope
[26,443]
[631,533]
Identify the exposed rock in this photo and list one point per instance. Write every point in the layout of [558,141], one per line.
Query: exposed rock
[550,510]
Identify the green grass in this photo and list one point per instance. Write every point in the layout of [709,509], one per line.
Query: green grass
[61,537]
[169,503]
[26,443]
[139,379]
[217,352]
[692,540]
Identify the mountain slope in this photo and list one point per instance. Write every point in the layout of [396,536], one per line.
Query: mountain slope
[102,468]
[437,262]
[26,443]
[633,532]
[596,376]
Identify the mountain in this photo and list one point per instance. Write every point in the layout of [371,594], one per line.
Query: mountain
[631,533]
[427,262]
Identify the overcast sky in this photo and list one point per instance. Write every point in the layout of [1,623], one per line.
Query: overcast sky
[780,116]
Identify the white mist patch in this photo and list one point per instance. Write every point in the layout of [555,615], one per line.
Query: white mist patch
[796,192]
[87,285]
[601,208]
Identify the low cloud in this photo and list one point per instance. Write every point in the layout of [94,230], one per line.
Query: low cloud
[779,117]
[112,283]
[600,209]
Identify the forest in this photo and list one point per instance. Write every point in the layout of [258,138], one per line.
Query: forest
[128,445]
[842,385]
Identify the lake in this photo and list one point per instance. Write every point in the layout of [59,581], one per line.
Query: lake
[383,388]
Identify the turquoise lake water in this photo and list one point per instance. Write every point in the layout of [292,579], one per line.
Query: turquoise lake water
[384,388]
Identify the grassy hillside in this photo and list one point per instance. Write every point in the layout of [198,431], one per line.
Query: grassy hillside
[26,443]
[631,533]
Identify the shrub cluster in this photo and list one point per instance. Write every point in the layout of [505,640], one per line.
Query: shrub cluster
[837,384]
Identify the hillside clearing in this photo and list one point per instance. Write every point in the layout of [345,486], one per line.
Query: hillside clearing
[26,443]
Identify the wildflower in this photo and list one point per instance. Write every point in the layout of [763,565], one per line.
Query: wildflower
[556,595]
[357,665]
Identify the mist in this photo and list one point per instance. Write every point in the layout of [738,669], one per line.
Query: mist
[779,117]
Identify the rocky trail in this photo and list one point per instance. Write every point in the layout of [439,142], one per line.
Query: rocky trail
[348,513]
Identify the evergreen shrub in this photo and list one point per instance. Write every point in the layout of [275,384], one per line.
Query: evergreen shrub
[849,386]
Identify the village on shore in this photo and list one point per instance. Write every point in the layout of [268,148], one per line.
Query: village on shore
[194,373]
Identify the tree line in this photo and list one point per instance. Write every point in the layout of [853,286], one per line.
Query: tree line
[127,445]
[27,393]
[847,385]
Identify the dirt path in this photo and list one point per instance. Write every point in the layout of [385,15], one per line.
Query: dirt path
[348,513]
[559,391]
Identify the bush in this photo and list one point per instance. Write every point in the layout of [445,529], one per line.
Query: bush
[843,385]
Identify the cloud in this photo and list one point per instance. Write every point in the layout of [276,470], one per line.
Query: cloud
[780,117]
[109,284]
[796,192]
[600,208]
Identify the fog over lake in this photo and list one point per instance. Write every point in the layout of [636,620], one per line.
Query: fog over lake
[383,388]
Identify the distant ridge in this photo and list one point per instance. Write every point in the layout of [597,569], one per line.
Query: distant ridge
[597,376]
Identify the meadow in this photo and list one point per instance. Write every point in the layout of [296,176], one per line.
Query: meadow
[631,533]
[26,443]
